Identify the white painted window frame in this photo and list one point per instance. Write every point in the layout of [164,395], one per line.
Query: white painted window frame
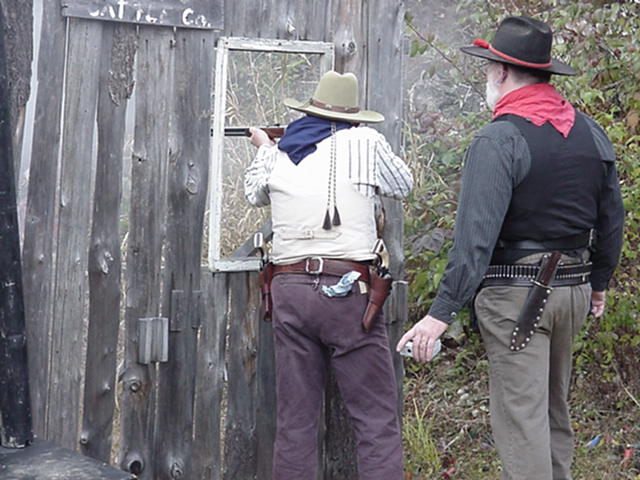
[225,45]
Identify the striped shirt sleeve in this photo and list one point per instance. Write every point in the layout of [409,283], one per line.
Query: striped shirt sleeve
[497,159]
[256,177]
[392,176]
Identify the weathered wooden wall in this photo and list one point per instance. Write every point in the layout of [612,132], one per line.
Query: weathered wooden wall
[15,413]
[18,35]
[88,273]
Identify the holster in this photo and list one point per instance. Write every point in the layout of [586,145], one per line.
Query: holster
[379,290]
[533,307]
[264,279]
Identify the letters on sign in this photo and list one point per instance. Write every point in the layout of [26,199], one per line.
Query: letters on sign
[206,14]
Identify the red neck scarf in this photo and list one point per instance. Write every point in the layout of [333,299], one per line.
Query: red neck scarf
[540,103]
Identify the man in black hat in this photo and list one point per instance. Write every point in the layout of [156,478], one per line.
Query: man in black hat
[538,188]
[321,180]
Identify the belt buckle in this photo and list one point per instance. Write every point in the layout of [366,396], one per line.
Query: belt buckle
[313,271]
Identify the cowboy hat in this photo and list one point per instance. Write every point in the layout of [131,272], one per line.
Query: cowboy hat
[521,41]
[336,98]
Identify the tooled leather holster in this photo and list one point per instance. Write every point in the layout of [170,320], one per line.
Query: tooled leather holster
[533,307]
[264,279]
[379,290]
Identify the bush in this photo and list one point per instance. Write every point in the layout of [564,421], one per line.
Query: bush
[601,41]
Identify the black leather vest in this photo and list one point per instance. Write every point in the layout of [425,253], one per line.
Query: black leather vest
[559,196]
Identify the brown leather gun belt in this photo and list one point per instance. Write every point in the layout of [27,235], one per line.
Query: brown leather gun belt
[325,266]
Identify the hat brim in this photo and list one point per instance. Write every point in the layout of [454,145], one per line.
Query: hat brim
[363,116]
[557,67]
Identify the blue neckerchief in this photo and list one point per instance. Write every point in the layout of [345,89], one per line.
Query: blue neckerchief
[301,136]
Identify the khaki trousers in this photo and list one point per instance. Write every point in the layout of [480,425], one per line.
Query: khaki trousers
[528,389]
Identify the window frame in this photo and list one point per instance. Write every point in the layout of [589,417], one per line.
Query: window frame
[242,260]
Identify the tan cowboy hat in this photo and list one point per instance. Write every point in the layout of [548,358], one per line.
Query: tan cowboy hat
[336,98]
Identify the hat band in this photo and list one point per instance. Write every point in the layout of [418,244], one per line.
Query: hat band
[484,44]
[333,108]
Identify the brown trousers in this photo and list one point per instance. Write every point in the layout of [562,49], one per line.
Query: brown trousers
[529,388]
[313,332]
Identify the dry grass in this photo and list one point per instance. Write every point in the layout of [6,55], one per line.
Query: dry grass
[450,399]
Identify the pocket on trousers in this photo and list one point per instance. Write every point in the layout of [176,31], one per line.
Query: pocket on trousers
[500,302]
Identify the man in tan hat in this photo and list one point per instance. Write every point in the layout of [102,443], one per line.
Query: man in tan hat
[321,180]
[538,187]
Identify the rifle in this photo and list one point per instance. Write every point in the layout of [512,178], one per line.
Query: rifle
[273,132]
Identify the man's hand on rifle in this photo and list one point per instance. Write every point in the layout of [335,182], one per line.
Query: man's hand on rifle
[424,335]
[259,137]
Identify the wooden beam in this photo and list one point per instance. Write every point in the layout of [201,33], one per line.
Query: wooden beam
[41,216]
[70,312]
[349,33]
[15,406]
[116,84]
[46,461]
[240,448]
[154,87]
[266,400]
[386,55]
[210,377]
[18,37]
[187,197]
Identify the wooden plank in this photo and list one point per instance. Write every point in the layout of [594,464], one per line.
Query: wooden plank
[43,460]
[348,32]
[240,448]
[293,19]
[386,55]
[40,220]
[242,18]
[15,414]
[210,374]
[396,314]
[302,20]
[187,198]
[154,75]
[276,45]
[116,85]
[340,454]
[266,400]
[71,286]
[17,31]
[205,14]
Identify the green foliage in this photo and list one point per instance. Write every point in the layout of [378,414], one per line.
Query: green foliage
[601,40]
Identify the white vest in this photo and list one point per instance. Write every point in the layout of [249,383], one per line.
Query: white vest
[298,195]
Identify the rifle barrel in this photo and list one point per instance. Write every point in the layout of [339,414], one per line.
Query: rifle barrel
[236,132]
[275,131]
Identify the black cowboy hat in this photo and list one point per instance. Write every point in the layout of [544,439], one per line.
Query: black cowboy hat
[521,41]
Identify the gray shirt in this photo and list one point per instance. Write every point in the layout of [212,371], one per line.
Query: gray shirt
[497,160]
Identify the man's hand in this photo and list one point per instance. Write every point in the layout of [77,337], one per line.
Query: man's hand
[597,303]
[259,137]
[424,335]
